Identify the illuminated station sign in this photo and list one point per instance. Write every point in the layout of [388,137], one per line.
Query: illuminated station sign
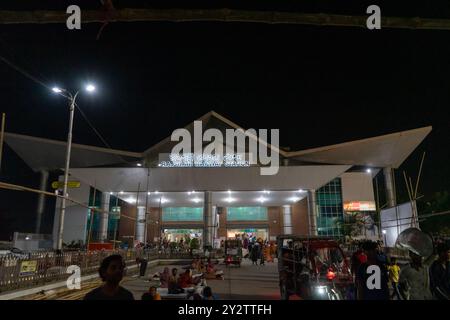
[205,160]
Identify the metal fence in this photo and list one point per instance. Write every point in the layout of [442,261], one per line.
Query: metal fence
[40,268]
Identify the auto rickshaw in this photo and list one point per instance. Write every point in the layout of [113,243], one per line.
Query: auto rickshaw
[233,252]
[312,268]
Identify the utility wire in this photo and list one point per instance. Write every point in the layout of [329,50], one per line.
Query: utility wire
[36,80]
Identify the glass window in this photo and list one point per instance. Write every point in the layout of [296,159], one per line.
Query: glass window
[247,213]
[329,201]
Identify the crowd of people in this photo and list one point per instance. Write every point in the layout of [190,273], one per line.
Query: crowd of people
[257,249]
[111,272]
[419,279]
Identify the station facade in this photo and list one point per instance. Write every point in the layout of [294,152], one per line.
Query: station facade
[314,192]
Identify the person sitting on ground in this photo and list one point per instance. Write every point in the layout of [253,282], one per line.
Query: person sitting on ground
[186,280]
[212,272]
[208,294]
[173,287]
[111,272]
[195,265]
[152,294]
[164,278]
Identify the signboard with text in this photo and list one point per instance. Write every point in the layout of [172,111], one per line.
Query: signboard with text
[70,184]
[28,268]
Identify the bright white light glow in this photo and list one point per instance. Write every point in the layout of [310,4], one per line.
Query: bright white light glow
[139,164]
[121,192]
[156,192]
[110,193]
[56,90]
[321,290]
[384,231]
[196,200]
[90,88]
[261,199]
[229,191]
[369,170]
[130,200]
[149,193]
[294,199]
[164,200]
[266,191]
[27,238]
[301,190]
[229,199]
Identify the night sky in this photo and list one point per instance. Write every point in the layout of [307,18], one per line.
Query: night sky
[318,85]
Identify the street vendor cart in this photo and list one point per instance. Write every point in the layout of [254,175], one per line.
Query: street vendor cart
[233,252]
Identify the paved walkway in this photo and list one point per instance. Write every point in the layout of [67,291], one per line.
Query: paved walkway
[245,283]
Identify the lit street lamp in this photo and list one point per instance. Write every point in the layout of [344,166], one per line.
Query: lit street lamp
[71,98]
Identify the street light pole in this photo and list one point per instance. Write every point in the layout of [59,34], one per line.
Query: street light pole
[66,173]
[72,99]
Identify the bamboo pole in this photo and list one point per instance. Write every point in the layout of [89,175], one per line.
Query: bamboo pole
[420,173]
[2,137]
[220,15]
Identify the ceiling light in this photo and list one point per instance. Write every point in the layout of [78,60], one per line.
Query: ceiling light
[196,200]
[229,199]
[294,199]
[261,199]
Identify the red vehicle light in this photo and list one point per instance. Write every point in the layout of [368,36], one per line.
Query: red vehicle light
[330,274]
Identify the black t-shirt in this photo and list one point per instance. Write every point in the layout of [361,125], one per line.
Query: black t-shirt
[373,294]
[97,294]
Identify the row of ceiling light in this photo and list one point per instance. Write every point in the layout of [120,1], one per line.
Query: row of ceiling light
[228,199]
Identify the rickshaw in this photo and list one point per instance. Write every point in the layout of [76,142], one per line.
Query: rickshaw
[233,252]
[312,268]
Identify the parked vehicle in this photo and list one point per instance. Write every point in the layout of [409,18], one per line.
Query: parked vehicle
[13,252]
[313,268]
[233,252]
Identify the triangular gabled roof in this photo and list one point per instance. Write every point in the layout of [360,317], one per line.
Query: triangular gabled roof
[209,120]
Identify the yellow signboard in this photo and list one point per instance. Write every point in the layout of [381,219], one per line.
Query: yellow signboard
[28,268]
[70,184]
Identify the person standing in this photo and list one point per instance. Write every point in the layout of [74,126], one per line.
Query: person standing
[111,272]
[440,273]
[261,255]
[142,264]
[364,292]
[254,254]
[414,281]
[394,275]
